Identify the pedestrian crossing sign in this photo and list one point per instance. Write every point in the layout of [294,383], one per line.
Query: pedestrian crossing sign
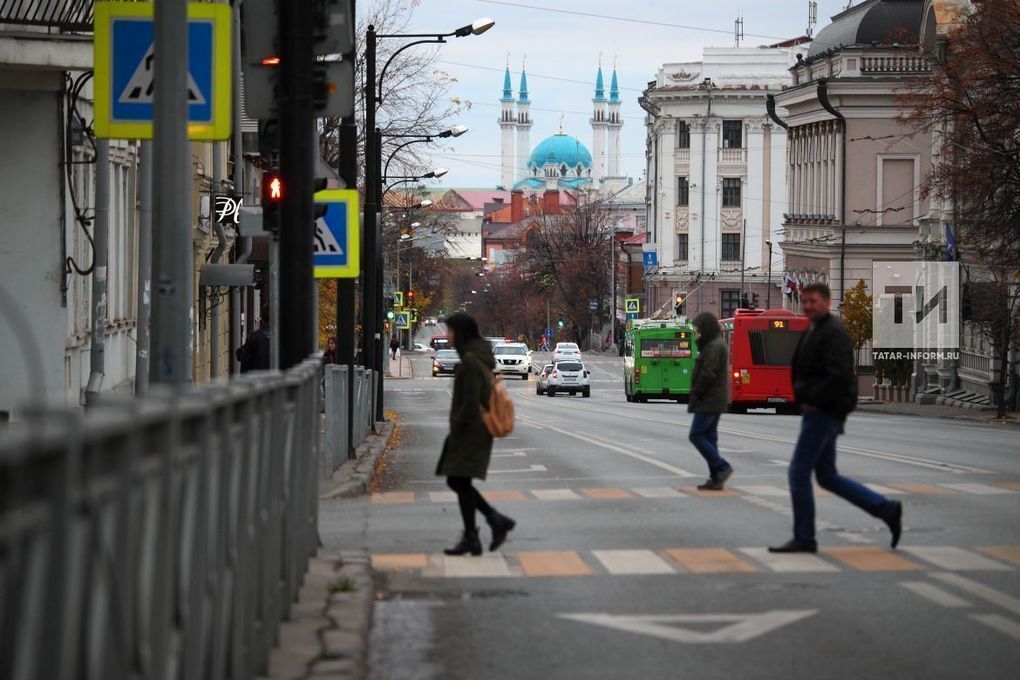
[337,249]
[124,69]
[402,320]
[398,298]
[632,305]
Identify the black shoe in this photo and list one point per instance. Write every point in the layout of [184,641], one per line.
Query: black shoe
[794,545]
[710,485]
[895,522]
[501,525]
[721,477]
[469,543]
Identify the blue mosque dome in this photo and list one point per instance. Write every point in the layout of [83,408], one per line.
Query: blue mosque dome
[560,150]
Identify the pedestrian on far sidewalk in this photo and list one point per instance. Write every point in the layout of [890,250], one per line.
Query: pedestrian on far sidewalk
[708,400]
[394,346]
[329,355]
[468,447]
[825,386]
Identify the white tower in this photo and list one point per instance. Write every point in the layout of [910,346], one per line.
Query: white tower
[507,123]
[615,123]
[599,121]
[523,126]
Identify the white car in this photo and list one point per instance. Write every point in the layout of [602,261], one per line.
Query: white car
[513,359]
[566,350]
[423,349]
[542,381]
[568,376]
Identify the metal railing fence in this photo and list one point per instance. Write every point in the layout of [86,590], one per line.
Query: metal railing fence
[163,537]
[66,15]
[336,447]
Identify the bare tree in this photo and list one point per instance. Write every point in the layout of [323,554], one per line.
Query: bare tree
[415,93]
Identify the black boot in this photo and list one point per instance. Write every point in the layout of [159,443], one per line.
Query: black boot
[469,543]
[501,525]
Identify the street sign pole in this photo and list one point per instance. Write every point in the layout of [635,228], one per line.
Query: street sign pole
[172,310]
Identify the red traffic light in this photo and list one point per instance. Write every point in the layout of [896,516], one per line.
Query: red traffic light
[272,188]
[679,299]
[271,61]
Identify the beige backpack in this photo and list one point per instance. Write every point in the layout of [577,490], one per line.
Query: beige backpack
[498,415]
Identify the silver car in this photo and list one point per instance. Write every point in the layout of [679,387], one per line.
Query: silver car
[569,376]
[445,361]
[543,379]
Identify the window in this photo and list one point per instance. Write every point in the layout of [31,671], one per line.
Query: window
[731,247]
[683,190]
[731,192]
[773,347]
[730,301]
[732,134]
[683,135]
[681,247]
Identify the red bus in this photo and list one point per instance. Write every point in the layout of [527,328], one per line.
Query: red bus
[761,343]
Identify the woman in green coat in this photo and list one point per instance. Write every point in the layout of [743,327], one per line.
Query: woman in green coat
[468,447]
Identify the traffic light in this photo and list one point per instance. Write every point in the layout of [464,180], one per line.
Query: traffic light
[390,315]
[271,199]
[560,322]
[261,59]
[678,305]
[410,298]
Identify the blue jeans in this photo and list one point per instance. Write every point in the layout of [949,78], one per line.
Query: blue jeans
[816,452]
[704,435]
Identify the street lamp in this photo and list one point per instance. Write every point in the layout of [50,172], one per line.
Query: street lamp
[373,293]
[768,291]
[455,131]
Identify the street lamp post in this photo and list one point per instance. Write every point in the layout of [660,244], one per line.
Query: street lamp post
[372,302]
[768,290]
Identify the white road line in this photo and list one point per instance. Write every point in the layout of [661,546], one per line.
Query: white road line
[512,454]
[955,559]
[885,490]
[851,537]
[999,623]
[659,492]
[632,562]
[530,468]
[445,566]
[763,490]
[980,590]
[616,376]
[790,563]
[978,489]
[555,494]
[935,594]
[679,472]
[442,497]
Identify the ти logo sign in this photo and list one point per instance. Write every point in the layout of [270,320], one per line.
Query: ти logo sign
[916,306]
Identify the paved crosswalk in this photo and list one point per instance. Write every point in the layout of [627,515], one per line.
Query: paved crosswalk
[704,560]
[665,492]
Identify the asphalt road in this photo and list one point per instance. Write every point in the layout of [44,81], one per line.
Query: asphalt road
[613,573]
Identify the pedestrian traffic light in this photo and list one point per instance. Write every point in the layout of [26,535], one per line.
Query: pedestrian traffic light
[560,323]
[261,59]
[390,315]
[271,199]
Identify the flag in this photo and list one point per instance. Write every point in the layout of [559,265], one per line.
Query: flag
[950,245]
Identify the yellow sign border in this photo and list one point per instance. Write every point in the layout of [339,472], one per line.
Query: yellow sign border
[398,299]
[352,269]
[404,327]
[626,304]
[219,14]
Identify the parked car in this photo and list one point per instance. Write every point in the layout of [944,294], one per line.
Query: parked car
[569,376]
[513,359]
[422,348]
[445,361]
[566,350]
[542,381]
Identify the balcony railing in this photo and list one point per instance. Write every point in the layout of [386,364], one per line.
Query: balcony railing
[65,15]
[732,155]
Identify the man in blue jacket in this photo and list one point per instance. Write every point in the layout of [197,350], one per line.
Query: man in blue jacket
[825,386]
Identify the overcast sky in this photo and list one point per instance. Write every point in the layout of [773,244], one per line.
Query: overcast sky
[562,57]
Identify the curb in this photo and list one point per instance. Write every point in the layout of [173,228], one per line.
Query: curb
[354,476]
[327,633]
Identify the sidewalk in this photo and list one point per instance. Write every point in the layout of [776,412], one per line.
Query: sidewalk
[399,369]
[935,411]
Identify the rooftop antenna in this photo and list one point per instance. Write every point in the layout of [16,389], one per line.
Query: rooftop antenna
[812,17]
[738,31]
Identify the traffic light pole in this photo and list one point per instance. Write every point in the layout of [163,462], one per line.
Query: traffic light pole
[371,291]
[297,156]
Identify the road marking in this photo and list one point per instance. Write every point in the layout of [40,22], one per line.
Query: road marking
[606,494]
[679,472]
[851,537]
[737,627]
[978,489]
[1009,553]
[694,491]
[551,563]
[763,490]
[1012,486]
[980,590]
[503,495]
[393,497]
[530,468]
[923,489]
[658,492]
[790,563]
[885,490]
[484,566]
[442,497]
[400,561]
[871,559]
[554,494]
[935,594]
[512,454]
[955,559]
[632,562]
[709,560]
[999,623]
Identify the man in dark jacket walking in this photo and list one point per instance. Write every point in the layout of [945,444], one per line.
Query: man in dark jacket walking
[708,399]
[825,386]
[468,447]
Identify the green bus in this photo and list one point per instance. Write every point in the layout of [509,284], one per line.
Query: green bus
[658,359]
